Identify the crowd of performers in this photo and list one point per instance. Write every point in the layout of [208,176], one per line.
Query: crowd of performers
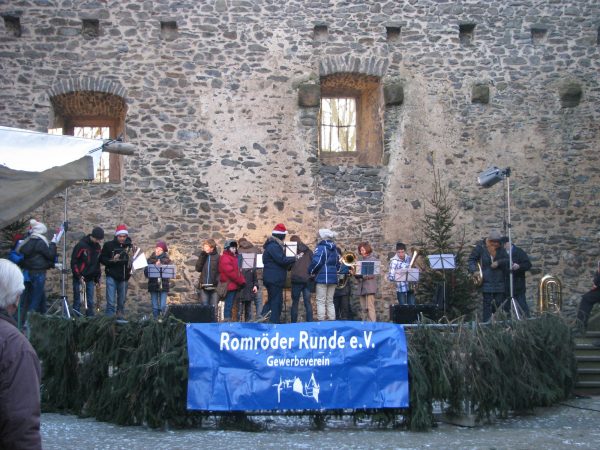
[249,293]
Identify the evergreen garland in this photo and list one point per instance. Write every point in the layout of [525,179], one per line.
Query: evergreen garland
[135,373]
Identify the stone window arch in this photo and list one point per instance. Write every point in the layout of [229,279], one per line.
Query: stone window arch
[91,105]
[351,111]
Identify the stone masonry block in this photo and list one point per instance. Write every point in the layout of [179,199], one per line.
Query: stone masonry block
[309,95]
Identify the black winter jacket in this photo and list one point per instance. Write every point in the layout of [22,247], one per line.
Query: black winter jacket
[493,279]
[85,260]
[37,255]
[118,269]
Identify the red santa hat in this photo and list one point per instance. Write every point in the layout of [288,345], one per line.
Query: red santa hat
[279,229]
[121,229]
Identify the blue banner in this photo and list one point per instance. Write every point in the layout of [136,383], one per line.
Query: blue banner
[299,366]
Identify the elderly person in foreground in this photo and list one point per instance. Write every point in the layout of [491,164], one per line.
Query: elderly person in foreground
[19,370]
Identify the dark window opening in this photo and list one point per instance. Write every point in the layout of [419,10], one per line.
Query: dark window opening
[90,28]
[321,33]
[393,33]
[538,35]
[168,30]
[466,33]
[12,25]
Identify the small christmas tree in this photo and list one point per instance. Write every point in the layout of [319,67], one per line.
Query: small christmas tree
[459,299]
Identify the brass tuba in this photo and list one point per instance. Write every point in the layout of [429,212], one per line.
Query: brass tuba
[549,294]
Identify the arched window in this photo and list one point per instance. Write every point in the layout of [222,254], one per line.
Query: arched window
[94,115]
[351,118]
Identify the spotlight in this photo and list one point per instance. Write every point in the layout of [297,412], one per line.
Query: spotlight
[490,177]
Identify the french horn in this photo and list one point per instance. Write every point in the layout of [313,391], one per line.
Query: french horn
[348,259]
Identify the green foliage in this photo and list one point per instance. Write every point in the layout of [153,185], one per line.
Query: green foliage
[136,373]
[8,233]
[438,237]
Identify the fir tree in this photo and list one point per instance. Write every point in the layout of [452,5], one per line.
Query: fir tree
[439,238]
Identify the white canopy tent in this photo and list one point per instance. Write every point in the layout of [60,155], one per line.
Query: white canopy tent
[35,166]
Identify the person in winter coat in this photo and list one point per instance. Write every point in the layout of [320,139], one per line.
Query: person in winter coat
[117,257]
[276,265]
[324,267]
[301,282]
[367,284]
[494,263]
[158,287]
[521,265]
[208,266]
[247,297]
[20,371]
[85,267]
[229,272]
[38,256]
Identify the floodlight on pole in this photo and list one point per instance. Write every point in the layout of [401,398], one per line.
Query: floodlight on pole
[486,179]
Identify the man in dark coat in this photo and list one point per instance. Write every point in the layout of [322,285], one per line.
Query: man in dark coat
[521,264]
[85,266]
[301,282]
[276,265]
[20,371]
[494,263]
[117,256]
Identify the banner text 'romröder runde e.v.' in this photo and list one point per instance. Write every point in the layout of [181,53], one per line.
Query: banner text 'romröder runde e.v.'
[301,366]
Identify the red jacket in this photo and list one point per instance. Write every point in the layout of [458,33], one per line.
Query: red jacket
[230,271]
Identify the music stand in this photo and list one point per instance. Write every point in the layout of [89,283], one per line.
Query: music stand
[161,271]
[368,268]
[443,262]
[407,275]
[248,260]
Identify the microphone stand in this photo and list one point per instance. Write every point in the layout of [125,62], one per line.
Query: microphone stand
[514,306]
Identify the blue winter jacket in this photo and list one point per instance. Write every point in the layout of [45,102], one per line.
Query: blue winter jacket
[325,263]
[276,264]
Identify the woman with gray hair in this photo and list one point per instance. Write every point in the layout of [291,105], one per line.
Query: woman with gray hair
[19,370]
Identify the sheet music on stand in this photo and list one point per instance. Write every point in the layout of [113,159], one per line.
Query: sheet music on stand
[368,267]
[139,260]
[291,248]
[407,275]
[249,260]
[442,261]
[161,271]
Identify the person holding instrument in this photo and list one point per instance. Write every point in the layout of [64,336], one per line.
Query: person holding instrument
[117,256]
[158,287]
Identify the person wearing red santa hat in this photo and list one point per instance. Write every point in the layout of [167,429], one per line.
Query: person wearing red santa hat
[276,265]
[117,256]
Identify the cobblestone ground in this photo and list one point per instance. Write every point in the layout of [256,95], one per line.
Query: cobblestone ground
[572,424]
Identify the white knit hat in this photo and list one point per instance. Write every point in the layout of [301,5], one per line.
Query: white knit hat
[326,233]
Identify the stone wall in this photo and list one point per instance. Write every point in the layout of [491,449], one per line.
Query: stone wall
[224,148]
